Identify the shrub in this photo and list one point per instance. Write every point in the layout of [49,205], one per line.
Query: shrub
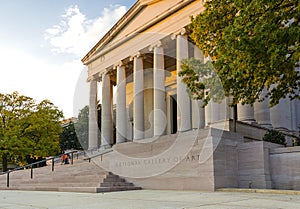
[274,137]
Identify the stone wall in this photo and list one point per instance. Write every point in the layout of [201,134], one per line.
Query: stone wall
[253,165]
[265,165]
[226,159]
[285,168]
[205,159]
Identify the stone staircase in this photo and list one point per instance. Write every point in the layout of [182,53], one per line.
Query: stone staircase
[82,176]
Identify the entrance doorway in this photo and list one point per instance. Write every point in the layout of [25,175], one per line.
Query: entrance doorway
[173,111]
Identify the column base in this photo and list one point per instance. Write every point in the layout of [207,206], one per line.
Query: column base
[182,131]
[120,142]
[104,147]
[282,129]
[250,121]
[138,136]
[269,126]
[91,149]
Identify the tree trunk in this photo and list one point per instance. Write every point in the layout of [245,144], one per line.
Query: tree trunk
[4,163]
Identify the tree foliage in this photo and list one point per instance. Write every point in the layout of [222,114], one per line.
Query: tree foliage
[253,45]
[68,138]
[27,128]
[82,126]
[274,137]
[202,80]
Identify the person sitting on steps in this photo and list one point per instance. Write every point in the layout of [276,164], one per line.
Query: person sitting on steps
[65,159]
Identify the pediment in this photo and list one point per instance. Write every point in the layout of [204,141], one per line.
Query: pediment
[142,16]
[148,14]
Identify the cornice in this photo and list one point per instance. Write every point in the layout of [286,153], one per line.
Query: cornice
[137,7]
[115,29]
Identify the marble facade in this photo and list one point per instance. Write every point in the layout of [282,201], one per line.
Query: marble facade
[140,57]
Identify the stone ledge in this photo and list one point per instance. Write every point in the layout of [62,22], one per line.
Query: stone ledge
[265,191]
[282,150]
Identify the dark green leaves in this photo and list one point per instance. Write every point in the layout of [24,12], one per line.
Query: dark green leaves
[27,127]
[253,44]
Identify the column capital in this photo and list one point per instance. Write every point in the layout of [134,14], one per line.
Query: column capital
[136,55]
[105,72]
[156,44]
[95,77]
[118,64]
[180,32]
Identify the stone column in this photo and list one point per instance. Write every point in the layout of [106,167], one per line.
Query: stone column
[220,114]
[208,114]
[93,116]
[138,98]
[106,114]
[219,111]
[198,112]
[245,113]
[281,115]
[262,111]
[183,99]
[121,114]
[296,115]
[295,109]
[160,118]
[198,116]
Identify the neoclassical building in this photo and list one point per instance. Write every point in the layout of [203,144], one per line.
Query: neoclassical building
[135,65]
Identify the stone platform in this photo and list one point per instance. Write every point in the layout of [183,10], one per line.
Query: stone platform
[205,159]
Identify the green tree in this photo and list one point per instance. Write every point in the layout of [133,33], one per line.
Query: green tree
[68,138]
[27,128]
[253,44]
[82,125]
[274,137]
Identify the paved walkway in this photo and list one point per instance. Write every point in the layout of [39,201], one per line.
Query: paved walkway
[144,199]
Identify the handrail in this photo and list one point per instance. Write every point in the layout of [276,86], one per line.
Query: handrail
[30,165]
[103,152]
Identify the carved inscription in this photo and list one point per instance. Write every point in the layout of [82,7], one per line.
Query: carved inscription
[156,161]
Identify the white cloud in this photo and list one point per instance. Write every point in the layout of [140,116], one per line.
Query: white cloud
[39,79]
[49,79]
[75,34]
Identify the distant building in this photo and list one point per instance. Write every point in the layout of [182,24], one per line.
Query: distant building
[67,121]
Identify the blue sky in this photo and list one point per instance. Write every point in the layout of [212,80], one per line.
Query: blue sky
[42,43]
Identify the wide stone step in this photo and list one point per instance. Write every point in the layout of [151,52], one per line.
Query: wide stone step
[37,181]
[115,184]
[66,177]
[57,176]
[89,189]
[69,169]
[71,174]
[113,179]
[82,176]
[31,188]
[59,184]
[97,189]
